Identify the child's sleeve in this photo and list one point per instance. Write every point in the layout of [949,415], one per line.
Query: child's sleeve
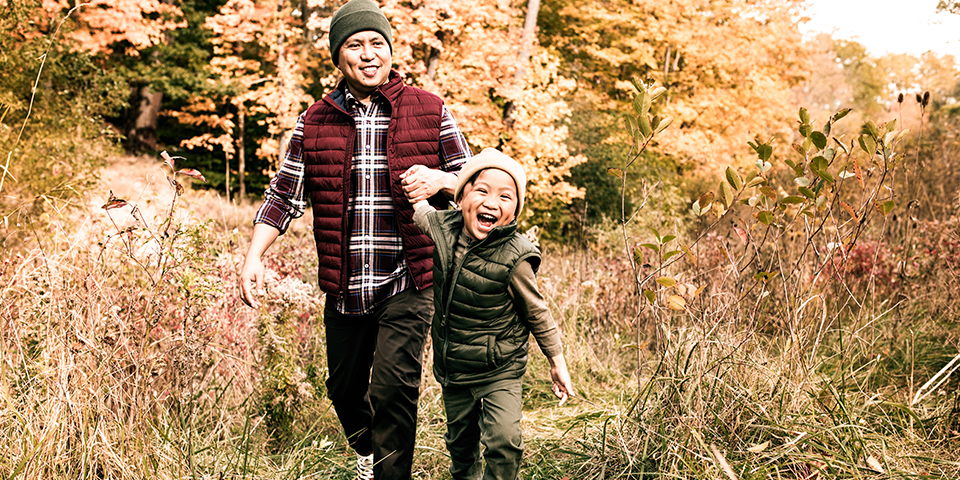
[421,212]
[533,308]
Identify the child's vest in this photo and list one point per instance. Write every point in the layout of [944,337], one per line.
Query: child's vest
[478,336]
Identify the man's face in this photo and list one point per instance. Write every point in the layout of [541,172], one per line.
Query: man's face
[490,201]
[365,61]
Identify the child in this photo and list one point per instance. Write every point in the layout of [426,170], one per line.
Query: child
[486,305]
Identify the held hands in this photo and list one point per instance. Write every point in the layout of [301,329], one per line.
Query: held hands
[420,183]
[562,385]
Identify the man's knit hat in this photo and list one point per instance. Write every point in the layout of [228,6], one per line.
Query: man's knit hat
[357,16]
[493,158]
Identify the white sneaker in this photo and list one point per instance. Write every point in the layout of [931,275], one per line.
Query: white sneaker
[365,467]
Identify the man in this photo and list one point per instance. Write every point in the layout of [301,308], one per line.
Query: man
[349,154]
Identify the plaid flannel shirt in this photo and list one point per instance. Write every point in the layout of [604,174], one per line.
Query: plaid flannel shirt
[378,270]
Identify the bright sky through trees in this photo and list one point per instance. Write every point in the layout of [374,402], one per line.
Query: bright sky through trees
[888,26]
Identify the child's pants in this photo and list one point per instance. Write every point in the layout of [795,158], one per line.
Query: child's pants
[486,414]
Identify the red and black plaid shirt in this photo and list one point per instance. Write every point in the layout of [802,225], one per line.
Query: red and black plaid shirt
[377,267]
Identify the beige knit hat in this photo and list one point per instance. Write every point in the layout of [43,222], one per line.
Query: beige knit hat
[493,158]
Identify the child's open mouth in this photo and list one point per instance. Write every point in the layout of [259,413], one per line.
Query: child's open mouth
[486,220]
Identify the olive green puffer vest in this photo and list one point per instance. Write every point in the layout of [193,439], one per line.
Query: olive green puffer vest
[478,337]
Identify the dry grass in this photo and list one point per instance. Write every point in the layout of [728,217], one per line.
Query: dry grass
[136,360]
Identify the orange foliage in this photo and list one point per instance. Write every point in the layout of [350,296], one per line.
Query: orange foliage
[478,46]
[106,23]
[729,67]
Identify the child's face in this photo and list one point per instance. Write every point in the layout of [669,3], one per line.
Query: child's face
[490,201]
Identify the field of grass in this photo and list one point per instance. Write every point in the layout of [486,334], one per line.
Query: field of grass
[126,353]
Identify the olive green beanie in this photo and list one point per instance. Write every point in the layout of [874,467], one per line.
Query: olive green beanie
[357,16]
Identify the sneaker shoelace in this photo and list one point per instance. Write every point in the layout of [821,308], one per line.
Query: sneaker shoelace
[365,467]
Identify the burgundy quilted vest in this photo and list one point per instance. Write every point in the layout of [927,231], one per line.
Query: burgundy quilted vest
[329,136]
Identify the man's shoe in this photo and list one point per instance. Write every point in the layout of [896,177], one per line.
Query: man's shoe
[364,467]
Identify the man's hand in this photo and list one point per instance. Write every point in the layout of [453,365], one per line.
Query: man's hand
[420,183]
[562,385]
[251,274]
[251,277]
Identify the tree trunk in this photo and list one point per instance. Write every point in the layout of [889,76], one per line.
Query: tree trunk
[523,58]
[526,40]
[241,158]
[143,135]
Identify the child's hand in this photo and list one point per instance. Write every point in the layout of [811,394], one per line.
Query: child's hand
[562,385]
[420,183]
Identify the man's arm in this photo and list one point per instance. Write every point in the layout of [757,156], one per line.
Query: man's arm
[423,183]
[283,201]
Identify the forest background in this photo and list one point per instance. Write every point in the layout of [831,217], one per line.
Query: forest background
[751,239]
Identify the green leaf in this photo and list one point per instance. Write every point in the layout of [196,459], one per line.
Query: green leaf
[887,207]
[666,256]
[762,276]
[802,181]
[818,163]
[826,127]
[758,180]
[871,128]
[842,113]
[695,208]
[650,295]
[644,124]
[655,94]
[828,154]
[727,194]
[819,140]
[868,144]
[765,217]
[615,172]
[667,120]
[825,175]
[807,192]
[734,179]
[651,246]
[769,192]
[667,239]
[804,115]
[891,125]
[641,104]
[805,130]
[765,152]
[792,199]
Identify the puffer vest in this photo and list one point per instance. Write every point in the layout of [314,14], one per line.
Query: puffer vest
[329,138]
[478,337]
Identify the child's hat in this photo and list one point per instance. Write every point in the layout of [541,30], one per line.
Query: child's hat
[493,158]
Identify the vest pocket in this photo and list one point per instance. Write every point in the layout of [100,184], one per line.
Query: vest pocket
[493,355]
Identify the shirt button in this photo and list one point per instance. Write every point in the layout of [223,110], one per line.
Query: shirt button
[369,147]
[366,265]
[367,176]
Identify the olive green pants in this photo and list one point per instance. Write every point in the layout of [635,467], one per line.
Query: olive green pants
[487,415]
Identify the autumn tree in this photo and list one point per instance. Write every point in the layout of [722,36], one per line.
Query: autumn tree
[254,76]
[504,89]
